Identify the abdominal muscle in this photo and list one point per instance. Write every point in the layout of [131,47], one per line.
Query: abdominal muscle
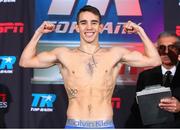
[91,104]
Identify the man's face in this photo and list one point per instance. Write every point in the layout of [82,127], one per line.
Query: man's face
[89,27]
[165,44]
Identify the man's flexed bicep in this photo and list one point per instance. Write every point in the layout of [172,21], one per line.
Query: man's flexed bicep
[42,60]
[128,57]
[30,58]
[150,57]
[136,59]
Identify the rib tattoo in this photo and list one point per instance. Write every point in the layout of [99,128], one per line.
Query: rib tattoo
[72,93]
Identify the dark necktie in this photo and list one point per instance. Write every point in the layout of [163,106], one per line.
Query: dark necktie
[167,79]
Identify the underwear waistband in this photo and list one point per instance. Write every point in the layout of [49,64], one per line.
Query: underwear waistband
[90,124]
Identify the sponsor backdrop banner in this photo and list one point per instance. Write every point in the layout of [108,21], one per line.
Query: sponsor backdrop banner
[147,13]
[172,16]
[28,104]
[16,23]
[114,13]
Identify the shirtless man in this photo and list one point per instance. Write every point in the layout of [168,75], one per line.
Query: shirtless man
[89,71]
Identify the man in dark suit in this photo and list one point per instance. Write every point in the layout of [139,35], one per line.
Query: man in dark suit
[166,44]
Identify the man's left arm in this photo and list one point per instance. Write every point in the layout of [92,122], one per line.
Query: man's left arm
[135,58]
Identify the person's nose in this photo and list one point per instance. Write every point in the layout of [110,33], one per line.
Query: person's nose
[89,26]
[166,50]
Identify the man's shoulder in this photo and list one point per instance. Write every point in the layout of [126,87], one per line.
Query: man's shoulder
[61,50]
[119,49]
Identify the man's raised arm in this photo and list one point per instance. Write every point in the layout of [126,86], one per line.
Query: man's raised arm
[30,58]
[134,58]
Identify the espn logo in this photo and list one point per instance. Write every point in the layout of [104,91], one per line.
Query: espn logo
[17,27]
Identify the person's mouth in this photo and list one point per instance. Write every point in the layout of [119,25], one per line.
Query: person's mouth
[89,34]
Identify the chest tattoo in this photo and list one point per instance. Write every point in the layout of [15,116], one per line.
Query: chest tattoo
[92,62]
[91,65]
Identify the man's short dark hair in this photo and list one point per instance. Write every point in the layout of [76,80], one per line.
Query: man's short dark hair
[91,9]
[177,44]
[167,34]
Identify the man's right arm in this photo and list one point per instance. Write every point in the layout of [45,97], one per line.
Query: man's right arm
[30,58]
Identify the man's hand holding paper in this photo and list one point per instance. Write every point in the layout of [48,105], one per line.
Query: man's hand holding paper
[170,104]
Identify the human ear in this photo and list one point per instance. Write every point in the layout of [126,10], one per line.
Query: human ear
[77,28]
[101,27]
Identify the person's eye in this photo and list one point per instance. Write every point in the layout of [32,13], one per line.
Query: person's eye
[161,47]
[171,47]
[94,23]
[83,23]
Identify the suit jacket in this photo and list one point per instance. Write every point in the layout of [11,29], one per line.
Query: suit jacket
[152,77]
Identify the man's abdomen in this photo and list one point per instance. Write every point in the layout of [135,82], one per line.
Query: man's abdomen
[90,108]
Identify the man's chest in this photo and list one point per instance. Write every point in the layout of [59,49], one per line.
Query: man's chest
[89,64]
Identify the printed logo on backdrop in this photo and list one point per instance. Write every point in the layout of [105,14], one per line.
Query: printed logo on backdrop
[178,30]
[43,102]
[114,14]
[7,1]
[6,64]
[116,102]
[11,27]
[3,101]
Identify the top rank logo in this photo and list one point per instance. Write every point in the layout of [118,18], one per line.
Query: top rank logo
[43,102]
[6,64]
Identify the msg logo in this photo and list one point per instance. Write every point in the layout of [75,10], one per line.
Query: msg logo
[123,7]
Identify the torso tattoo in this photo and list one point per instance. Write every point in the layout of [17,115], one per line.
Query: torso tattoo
[90,109]
[92,62]
[72,93]
[91,65]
